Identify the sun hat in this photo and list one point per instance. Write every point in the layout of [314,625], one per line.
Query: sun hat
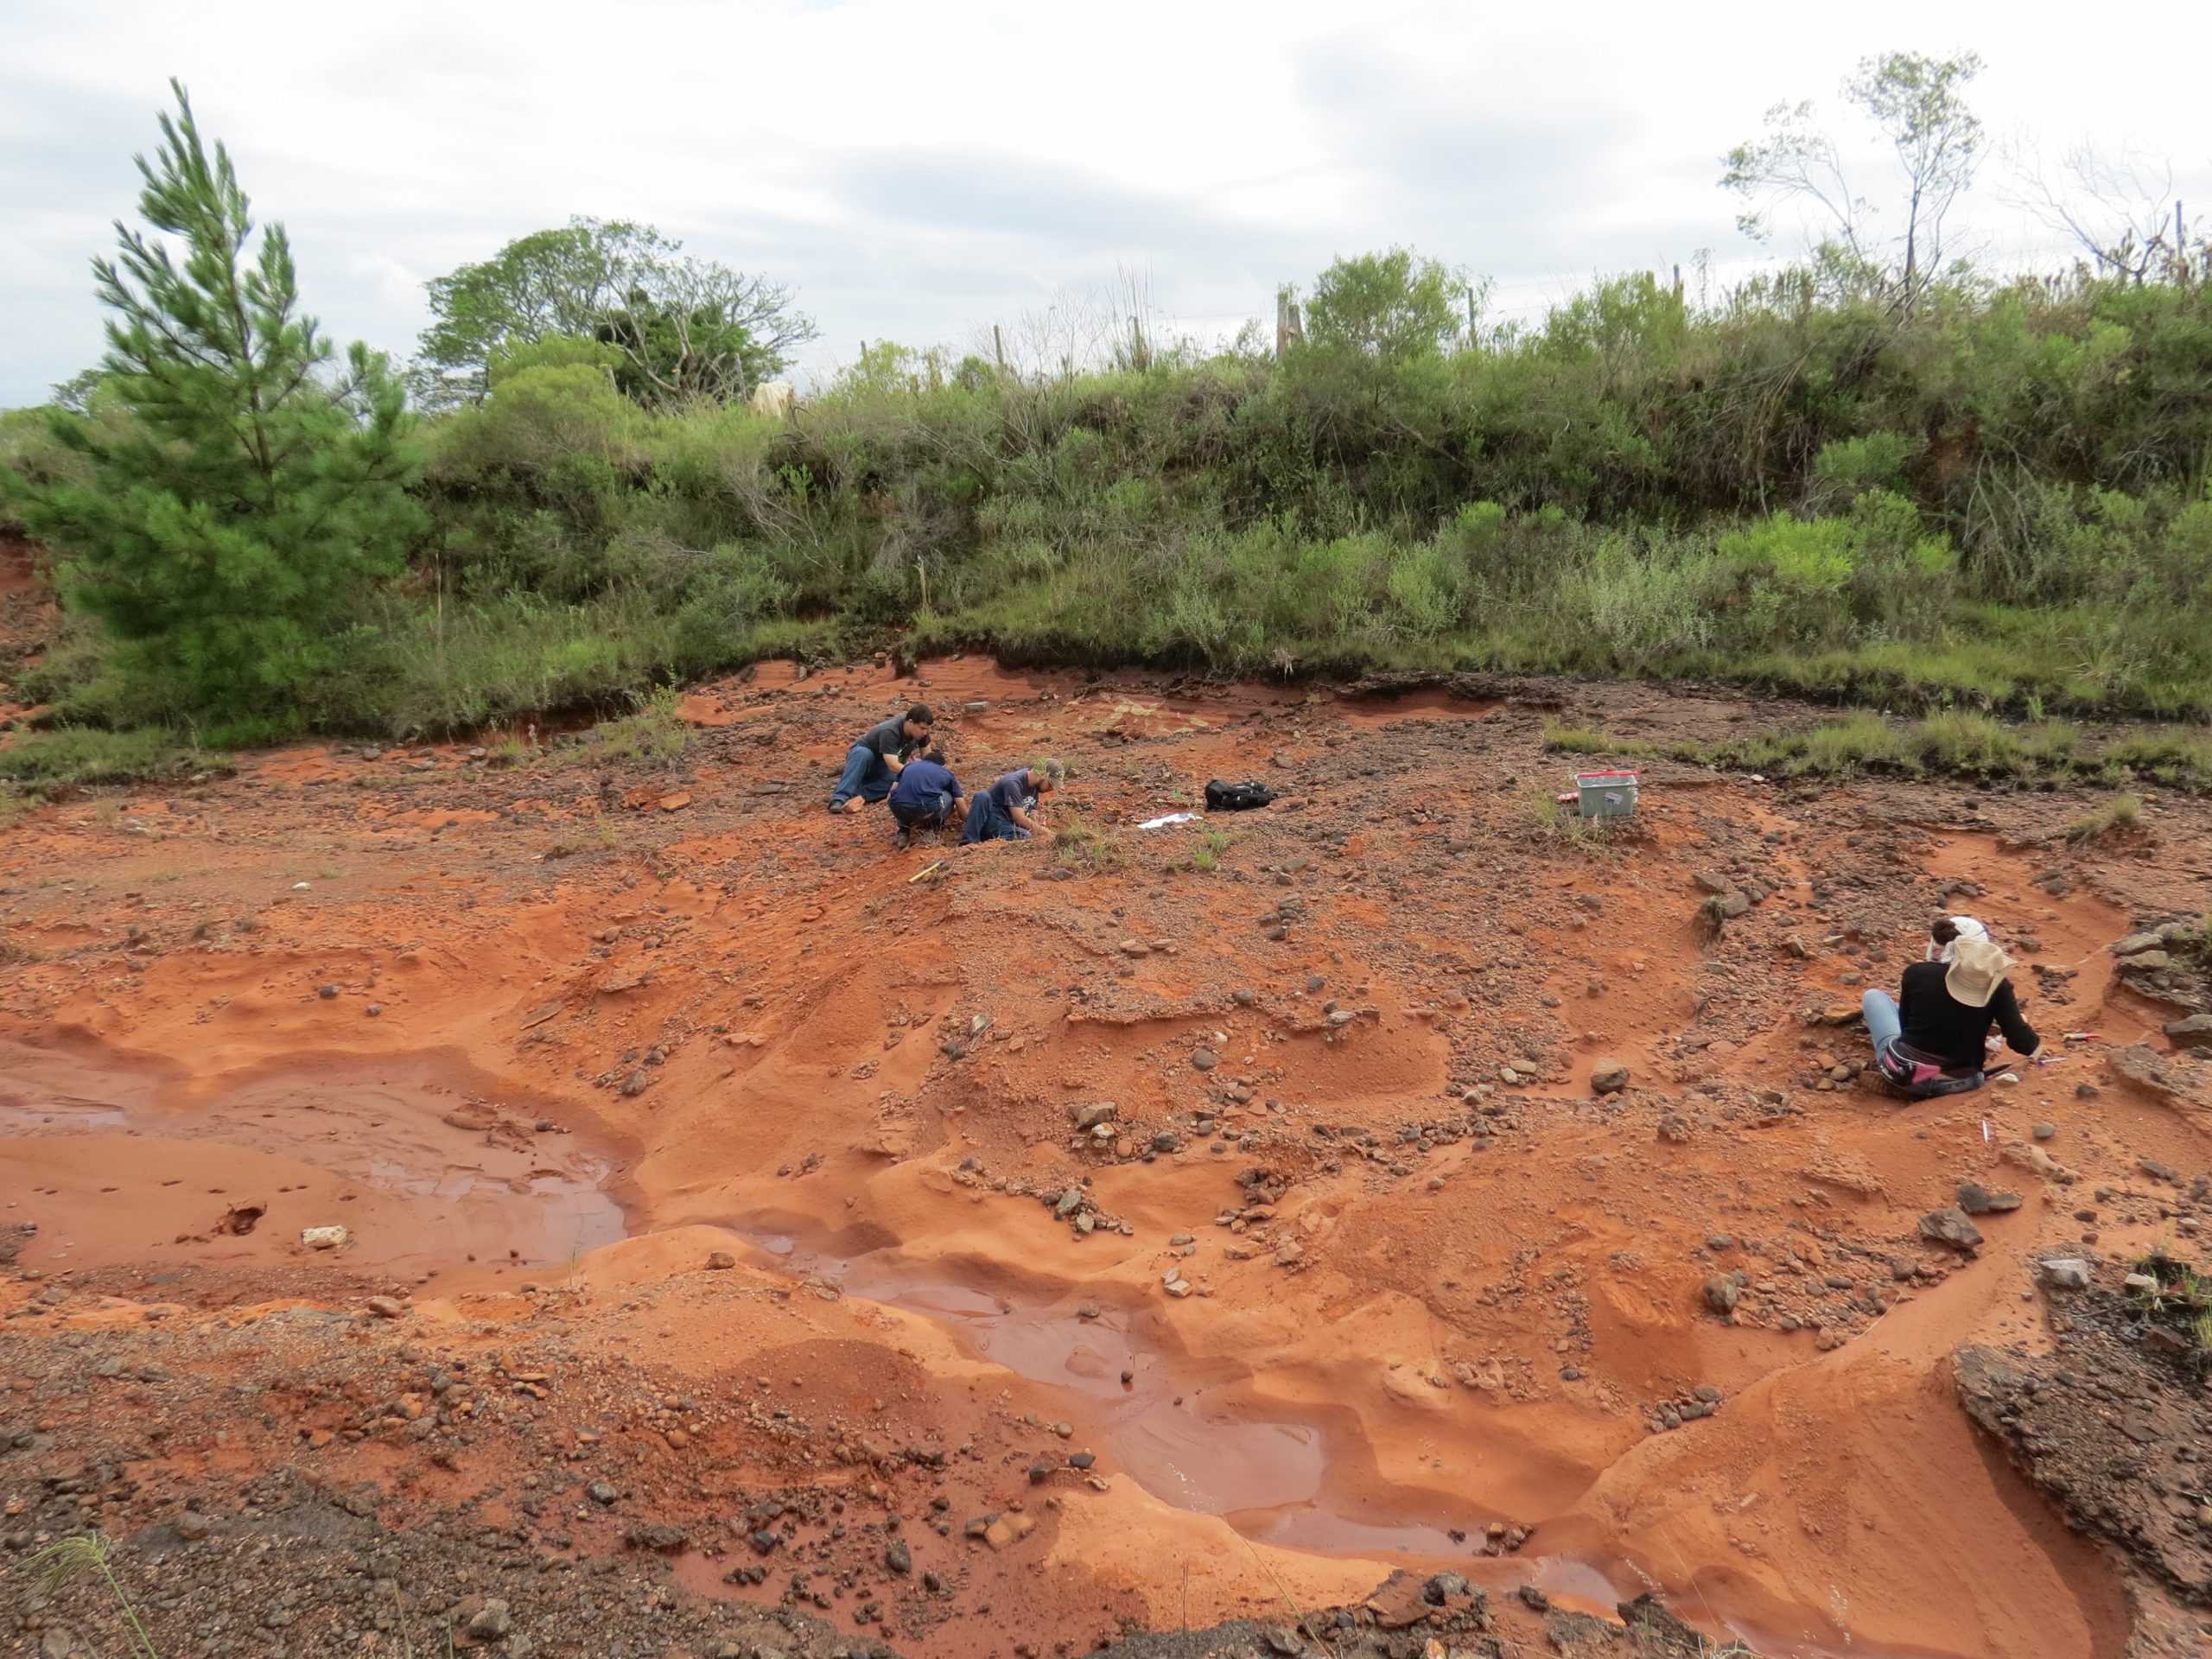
[1978,967]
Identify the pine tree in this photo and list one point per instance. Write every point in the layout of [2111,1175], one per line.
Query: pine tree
[225,536]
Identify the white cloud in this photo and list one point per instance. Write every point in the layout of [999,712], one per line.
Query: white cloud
[916,169]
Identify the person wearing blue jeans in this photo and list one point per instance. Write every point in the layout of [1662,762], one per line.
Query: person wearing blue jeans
[877,757]
[926,796]
[1008,809]
[1933,1039]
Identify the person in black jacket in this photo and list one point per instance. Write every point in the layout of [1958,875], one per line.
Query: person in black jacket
[1933,1038]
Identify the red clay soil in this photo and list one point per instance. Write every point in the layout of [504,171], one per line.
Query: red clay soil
[720,1182]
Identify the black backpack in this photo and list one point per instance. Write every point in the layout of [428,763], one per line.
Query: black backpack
[1237,798]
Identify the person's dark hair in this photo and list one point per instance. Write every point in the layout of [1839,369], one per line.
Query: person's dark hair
[1945,931]
[920,715]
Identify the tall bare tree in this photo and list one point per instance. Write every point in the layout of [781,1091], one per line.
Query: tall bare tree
[1918,105]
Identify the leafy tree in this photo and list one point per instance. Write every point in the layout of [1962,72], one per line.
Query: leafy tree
[687,328]
[228,521]
[1919,106]
[1388,305]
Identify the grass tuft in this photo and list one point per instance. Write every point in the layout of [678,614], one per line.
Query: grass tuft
[77,755]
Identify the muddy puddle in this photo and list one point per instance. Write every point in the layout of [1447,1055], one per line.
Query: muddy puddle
[1192,1442]
[118,1160]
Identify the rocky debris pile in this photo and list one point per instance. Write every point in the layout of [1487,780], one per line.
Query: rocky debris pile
[301,1572]
[1685,1406]
[2118,1436]
[1811,1279]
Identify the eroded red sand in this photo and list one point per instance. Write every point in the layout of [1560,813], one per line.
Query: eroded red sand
[1451,1303]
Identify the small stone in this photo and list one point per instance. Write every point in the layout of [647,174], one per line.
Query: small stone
[327,992]
[386,1308]
[2044,1131]
[491,1623]
[1949,1226]
[1721,1291]
[1205,1059]
[1165,1141]
[2196,1032]
[2066,1272]
[323,1238]
[898,1557]
[602,1491]
[192,1526]
[1608,1076]
[721,1261]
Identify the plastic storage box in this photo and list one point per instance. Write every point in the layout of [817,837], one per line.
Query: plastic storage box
[1606,794]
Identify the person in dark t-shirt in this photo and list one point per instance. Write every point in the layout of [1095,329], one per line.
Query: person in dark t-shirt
[1008,809]
[878,755]
[1932,1040]
[925,797]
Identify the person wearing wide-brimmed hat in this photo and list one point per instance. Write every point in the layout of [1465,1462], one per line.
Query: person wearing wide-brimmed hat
[1933,1038]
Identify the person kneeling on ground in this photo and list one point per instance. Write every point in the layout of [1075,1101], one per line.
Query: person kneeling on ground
[877,757]
[1008,809]
[925,795]
[1933,1039]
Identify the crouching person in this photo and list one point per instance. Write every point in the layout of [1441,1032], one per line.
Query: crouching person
[1008,810]
[879,756]
[1934,1039]
[926,796]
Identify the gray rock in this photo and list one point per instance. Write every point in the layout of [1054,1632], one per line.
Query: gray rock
[192,1526]
[1608,1076]
[1729,906]
[2136,943]
[898,1557]
[491,1623]
[2146,962]
[2066,1272]
[1070,1201]
[54,1644]
[1091,1116]
[602,1491]
[1721,1291]
[2196,1032]
[1713,881]
[1205,1059]
[1977,1200]
[1949,1226]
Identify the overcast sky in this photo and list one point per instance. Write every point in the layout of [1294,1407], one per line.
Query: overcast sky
[919,168]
